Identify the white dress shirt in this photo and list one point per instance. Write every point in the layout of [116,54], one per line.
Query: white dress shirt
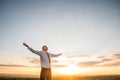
[44,57]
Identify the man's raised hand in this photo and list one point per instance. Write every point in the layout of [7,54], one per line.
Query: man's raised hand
[25,44]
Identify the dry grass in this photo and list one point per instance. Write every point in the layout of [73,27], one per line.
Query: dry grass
[114,77]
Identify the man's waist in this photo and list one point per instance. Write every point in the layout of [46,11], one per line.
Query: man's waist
[45,65]
[46,68]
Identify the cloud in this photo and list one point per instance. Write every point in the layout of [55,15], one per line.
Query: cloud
[112,64]
[100,57]
[87,64]
[33,60]
[7,65]
[54,60]
[13,65]
[108,61]
[79,60]
[105,60]
[115,56]
[79,56]
[59,66]
[86,60]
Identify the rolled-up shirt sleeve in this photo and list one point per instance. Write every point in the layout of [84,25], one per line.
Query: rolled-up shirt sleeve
[55,55]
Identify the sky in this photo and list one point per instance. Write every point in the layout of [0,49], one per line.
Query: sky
[87,32]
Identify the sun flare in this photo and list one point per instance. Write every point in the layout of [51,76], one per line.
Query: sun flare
[70,70]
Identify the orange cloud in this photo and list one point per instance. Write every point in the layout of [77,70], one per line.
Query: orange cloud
[115,56]
[33,60]
[80,56]
[82,62]
[79,60]
[59,66]
[110,60]
[7,65]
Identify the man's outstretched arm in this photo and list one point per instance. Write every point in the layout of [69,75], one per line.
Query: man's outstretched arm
[55,55]
[32,50]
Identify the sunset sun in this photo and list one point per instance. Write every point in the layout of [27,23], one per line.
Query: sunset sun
[70,70]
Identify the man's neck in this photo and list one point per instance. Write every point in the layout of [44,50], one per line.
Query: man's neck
[44,51]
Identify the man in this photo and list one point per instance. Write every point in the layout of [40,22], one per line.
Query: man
[45,58]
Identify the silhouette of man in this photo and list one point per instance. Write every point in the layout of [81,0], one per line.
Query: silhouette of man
[45,58]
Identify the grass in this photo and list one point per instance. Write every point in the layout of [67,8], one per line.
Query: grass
[106,77]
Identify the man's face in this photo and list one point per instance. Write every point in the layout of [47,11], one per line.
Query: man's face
[44,48]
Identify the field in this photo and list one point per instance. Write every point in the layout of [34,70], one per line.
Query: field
[112,77]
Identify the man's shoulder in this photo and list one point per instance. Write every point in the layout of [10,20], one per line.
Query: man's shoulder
[43,52]
[38,52]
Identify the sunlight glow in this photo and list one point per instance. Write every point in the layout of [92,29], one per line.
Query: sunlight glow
[70,70]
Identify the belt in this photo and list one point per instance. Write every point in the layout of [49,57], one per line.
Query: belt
[46,68]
